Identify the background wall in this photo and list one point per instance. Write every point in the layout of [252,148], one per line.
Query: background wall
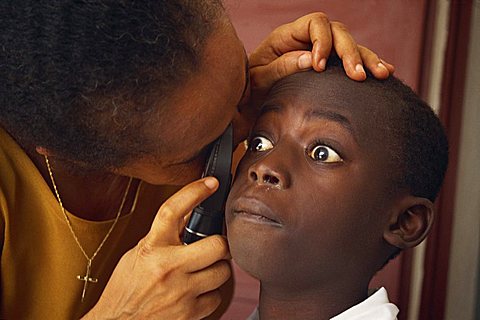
[463,278]
[394,28]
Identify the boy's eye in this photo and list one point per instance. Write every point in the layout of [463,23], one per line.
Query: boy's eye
[324,154]
[259,144]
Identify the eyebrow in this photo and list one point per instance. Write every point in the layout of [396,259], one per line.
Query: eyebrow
[332,116]
[269,108]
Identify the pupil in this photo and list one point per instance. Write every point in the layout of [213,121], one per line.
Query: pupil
[321,153]
[257,145]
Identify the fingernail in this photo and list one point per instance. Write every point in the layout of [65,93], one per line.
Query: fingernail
[322,63]
[359,68]
[211,183]
[304,61]
[381,65]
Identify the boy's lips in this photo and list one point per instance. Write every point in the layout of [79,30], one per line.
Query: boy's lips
[255,211]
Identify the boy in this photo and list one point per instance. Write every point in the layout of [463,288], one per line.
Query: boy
[338,178]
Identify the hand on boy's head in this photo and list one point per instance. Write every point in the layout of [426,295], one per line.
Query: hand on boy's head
[313,36]
[304,44]
[339,164]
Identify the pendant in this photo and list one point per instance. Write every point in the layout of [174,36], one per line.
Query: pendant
[87,278]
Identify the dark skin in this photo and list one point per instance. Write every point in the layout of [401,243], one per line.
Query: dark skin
[311,214]
[173,280]
[199,111]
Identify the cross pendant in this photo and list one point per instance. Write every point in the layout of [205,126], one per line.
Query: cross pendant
[87,278]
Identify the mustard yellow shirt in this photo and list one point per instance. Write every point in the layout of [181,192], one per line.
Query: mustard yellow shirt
[40,259]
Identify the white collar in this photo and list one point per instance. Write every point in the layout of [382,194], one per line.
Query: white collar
[375,307]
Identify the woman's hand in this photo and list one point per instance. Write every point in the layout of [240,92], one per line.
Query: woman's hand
[163,279]
[306,43]
[303,44]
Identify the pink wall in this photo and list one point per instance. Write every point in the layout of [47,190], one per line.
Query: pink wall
[392,28]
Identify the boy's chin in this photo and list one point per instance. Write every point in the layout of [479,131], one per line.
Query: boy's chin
[249,263]
[252,256]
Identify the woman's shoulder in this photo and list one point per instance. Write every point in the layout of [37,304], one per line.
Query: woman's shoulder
[12,156]
[19,178]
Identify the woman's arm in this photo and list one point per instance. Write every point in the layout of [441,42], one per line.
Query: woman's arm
[301,45]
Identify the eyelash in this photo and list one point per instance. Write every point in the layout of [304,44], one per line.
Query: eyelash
[308,150]
[318,142]
[256,134]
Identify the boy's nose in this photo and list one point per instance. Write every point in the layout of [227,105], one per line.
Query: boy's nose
[262,174]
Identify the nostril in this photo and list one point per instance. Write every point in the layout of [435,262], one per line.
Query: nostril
[270,179]
[253,175]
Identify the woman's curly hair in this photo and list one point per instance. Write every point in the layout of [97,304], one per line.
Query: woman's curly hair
[80,77]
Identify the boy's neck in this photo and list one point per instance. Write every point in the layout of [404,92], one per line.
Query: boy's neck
[320,304]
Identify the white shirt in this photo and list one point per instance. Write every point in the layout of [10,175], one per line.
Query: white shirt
[375,307]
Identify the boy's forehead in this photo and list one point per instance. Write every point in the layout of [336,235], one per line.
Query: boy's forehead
[363,105]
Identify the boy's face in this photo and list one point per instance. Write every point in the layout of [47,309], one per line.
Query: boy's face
[310,199]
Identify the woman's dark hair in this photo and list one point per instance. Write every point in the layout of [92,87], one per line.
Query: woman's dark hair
[79,77]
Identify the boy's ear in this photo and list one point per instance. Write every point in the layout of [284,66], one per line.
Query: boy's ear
[410,222]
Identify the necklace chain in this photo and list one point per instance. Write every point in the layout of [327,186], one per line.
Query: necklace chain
[87,277]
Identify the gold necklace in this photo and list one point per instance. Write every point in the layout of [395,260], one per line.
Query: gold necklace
[86,278]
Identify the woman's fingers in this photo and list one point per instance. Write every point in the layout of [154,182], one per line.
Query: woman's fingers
[312,33]
[203,253]
[297,35]
[379,68]
[347,51]
[264,76]
[170,216]
[207,303]
[321,38]
[211,278]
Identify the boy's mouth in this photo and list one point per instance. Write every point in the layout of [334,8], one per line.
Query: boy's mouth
[255,211]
